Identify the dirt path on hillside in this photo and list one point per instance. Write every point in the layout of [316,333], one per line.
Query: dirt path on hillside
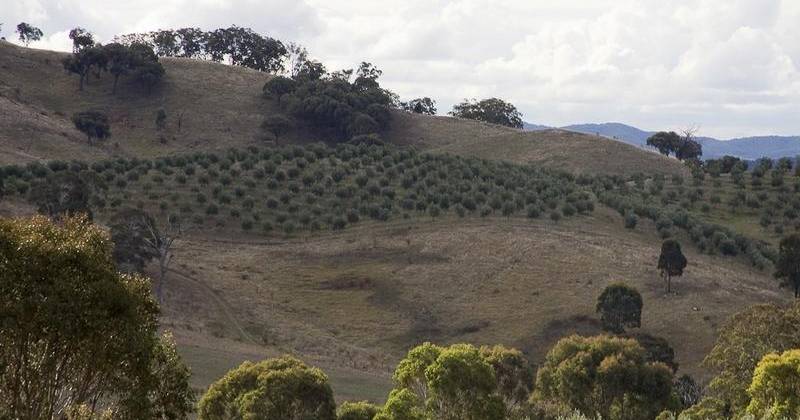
[225,307]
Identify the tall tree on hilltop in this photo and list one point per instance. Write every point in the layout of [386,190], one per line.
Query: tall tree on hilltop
[671,262]
[665,142]
[425,106]
[81,38]
[492,110]
[28,33]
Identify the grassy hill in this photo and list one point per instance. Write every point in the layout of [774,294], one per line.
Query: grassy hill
[353,300]
[220,106]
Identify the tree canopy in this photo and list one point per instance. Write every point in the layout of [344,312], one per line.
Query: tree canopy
[447,383]
[425,106]
[492,110]
[239,46]
[281,388]
[684,147]
[28,33]
[775,390]
[76,332]
[743,341]
[92,123]
[788,264]
[671,261]
[340,107]
[604,376]
[619,306]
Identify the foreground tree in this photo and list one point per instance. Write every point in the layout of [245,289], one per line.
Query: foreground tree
[743,341]
[447,383]
[605,377]
[671,262]
[282,388]
[361,410]
[788,265]
[28,33]
[775,391]
[619,306]
[514,377]
[92,123]
[492,110]
[75,332]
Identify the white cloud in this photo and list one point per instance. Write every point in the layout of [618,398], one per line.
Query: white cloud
[728,66]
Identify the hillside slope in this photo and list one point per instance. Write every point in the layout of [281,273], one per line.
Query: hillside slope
[220,106]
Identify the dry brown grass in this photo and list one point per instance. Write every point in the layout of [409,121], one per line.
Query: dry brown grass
[512,281]
[221,106]
[576,152]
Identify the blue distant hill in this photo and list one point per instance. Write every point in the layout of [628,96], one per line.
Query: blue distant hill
[748,148]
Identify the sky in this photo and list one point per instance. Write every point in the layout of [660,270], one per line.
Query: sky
[727,67]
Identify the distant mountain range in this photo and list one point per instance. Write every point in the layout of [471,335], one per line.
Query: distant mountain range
[748,148]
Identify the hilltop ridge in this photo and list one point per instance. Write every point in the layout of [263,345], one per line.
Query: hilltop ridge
[213,106]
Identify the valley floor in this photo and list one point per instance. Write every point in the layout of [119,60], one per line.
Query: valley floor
[354,301]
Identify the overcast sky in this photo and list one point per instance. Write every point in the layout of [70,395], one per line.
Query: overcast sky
[729,67]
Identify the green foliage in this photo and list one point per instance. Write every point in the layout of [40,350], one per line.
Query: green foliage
[775,390]
[492,110]
[28,33]
[788,265]
[63,193]
[606,376]
[92,123]
[343,108]
[241,46]
[683,147]
[83,333]
[425,106]
[619,306]
[402,404]
[671,261]
[277,125]
[279,86]
[282,388]
[743,341]
[447,383]
[361,410]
